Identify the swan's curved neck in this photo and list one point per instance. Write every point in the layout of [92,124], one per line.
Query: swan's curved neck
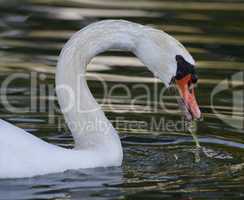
[86,120]
[82,113]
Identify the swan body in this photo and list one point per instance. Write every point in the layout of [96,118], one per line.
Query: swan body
[24,155]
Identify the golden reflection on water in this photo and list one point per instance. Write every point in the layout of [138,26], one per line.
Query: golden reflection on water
[154,5]
[159,162]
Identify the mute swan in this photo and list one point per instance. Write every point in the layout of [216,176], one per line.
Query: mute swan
[24,155]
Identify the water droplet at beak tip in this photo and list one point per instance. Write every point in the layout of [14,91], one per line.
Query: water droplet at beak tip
[200,119]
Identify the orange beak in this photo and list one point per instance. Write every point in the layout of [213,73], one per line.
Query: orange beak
[187,94]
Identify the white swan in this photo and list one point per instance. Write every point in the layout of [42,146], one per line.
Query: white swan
[24,155]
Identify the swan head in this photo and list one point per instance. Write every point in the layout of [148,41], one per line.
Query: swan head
[185,80]
[169,60]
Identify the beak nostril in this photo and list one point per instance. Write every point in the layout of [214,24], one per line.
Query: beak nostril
[191,88]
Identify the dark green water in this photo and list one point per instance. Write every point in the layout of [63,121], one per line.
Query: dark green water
[159,162]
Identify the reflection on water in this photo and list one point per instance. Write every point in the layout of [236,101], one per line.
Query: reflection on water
[158,163]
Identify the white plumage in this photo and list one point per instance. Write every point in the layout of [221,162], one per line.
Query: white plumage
[24,155]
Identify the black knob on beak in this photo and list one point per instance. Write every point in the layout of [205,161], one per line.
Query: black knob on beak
[194,78]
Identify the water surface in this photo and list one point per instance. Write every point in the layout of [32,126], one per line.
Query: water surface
[159,163]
